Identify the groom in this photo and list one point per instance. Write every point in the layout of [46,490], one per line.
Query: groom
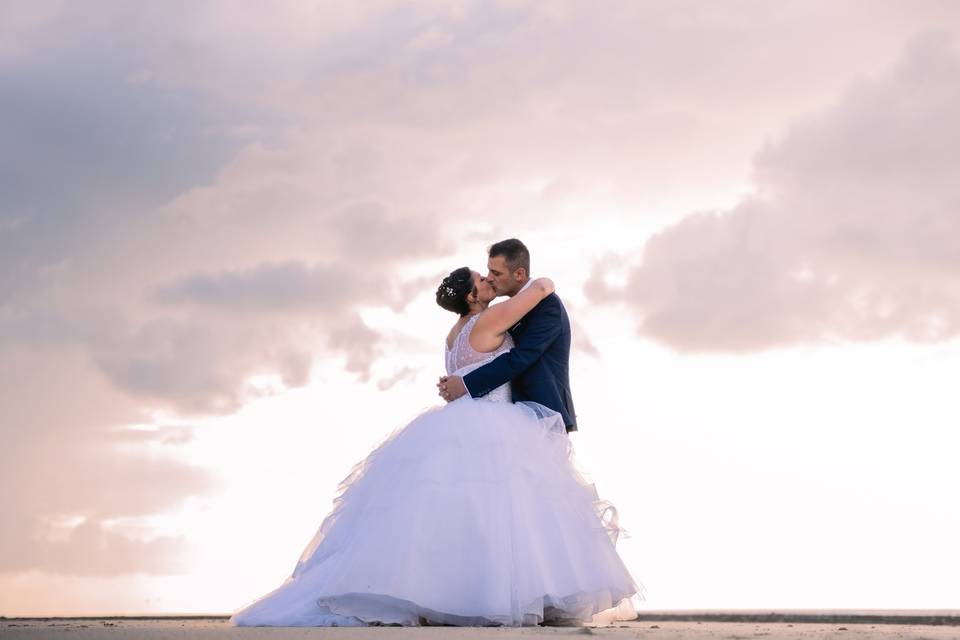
[539,363]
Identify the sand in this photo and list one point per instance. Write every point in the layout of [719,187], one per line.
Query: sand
[215,628]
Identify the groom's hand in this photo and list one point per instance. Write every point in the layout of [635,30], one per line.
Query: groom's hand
[451,387]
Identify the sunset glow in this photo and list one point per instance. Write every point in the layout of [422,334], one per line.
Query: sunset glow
[222,230]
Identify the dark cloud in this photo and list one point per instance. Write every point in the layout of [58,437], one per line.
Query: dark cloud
[243,304]
[853,233]
[84,147]
[273,287]
[200,369]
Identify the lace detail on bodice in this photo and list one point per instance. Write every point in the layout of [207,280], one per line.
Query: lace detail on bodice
[462,359]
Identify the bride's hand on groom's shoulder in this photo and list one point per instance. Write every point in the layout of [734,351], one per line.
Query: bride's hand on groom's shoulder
[546,285]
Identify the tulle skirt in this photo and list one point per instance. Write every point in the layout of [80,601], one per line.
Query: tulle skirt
[474,513]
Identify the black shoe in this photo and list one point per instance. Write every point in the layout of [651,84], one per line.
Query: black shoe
[553,617]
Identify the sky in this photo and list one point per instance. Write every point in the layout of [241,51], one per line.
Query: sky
[221,228]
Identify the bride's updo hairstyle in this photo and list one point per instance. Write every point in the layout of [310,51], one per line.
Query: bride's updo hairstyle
[452,292]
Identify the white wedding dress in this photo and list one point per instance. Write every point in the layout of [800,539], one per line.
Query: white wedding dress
[471,514]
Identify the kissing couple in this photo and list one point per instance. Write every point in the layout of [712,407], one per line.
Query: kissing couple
[474,513]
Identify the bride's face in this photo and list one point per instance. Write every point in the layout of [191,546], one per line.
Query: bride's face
[485,292]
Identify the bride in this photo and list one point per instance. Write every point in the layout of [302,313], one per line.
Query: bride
[471,514]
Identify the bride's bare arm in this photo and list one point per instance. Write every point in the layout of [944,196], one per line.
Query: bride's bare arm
[500,317]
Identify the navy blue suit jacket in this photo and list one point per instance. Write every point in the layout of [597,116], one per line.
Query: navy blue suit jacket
[539,363]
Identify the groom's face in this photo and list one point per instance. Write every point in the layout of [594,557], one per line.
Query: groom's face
[500,277]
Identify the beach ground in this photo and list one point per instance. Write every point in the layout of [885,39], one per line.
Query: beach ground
[217,628]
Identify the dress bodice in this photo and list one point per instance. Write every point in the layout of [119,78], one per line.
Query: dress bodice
[462,359]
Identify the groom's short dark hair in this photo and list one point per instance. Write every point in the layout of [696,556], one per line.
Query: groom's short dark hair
[514,253]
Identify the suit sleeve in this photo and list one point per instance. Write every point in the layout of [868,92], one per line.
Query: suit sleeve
[543,327]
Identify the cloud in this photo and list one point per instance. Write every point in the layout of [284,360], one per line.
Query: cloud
[404,373]
[195,195]
[271,288]
[161,434]
[92,550]
[19,22]
[70,471]
[853,232]
[582,341]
